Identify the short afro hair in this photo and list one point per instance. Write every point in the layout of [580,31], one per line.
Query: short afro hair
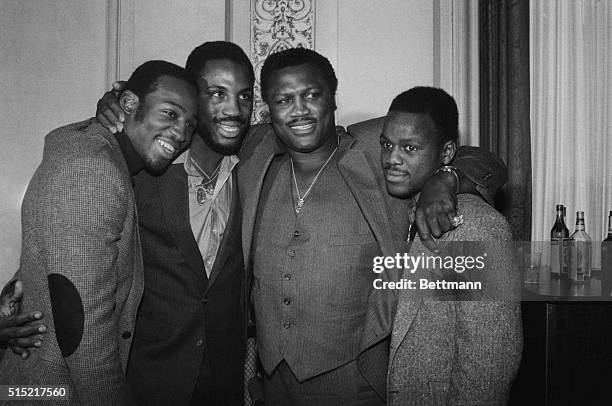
[294,57]
[216,50]
[434,102]
[145,78]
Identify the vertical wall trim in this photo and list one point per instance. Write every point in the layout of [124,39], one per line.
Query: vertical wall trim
[437,45]
[228,20]
[119,40]
[112,41]
[125,33]
[456,61]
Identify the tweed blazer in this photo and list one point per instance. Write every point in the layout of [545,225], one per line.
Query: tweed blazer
[460,352]
[80,264]
[187,323]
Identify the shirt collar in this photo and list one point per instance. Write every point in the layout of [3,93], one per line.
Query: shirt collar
[229,162]
[134,162]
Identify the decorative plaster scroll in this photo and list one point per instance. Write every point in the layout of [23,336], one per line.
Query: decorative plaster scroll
[277,25]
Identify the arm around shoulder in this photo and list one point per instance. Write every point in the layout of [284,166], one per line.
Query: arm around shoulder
[482,171]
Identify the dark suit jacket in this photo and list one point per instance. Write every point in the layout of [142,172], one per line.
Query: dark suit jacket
[187,323]
[80,263]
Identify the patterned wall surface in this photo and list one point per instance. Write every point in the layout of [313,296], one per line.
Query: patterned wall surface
[277,25]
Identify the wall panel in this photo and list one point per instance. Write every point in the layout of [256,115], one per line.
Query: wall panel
[52,73]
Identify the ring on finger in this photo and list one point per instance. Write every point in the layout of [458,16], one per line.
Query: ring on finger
[456,221]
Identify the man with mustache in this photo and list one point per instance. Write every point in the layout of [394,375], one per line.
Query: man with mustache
[449,347]
[190,337]
[315,213]
[81,261]
[190,334]
[189,342]
[246,156]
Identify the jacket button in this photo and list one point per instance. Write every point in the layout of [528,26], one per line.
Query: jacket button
[287,301]
[126,335]
[287,277]
[291,253]
[200,342]
[296,233]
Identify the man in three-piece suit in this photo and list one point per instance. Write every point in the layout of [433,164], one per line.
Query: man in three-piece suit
[315,213]
[449,347]
[81,261]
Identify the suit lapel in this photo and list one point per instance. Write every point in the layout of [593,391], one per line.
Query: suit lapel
[252,172]
[408,304]
[173,194]
[388,219]
[233,223]
[361,181]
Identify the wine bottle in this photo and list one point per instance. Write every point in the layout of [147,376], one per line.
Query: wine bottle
[580,253]
[568,245]
[606,260]
[559,234]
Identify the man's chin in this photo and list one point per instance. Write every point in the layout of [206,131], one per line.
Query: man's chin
[228,147]
[399,192]
[156,168]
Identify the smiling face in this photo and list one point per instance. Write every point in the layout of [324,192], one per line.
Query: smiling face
[302,108]
[411,150]
[163,123]
[226,103]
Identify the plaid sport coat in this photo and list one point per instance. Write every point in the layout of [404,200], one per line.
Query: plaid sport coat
[81,266]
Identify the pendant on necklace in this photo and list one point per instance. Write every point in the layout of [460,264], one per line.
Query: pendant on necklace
[299,205]
[204,194]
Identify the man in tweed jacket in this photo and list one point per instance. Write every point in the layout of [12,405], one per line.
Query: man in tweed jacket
[448,349]
[81,260]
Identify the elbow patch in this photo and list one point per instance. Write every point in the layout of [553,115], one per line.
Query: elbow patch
[68,314]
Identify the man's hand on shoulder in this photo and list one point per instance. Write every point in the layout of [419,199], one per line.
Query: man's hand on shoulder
[17,330]
[436,206]
[108,110]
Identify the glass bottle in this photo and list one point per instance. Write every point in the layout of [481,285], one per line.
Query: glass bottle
[559,234]
[606,260]
[580,254]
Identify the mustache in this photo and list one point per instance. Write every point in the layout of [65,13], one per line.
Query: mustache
[302,120]
[393,168]
[230,120]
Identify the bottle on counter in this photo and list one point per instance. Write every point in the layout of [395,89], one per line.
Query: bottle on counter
[580,252]
[559,237]
[606,260]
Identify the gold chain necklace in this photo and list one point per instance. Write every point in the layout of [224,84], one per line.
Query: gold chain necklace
[205,190]
[301,199]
